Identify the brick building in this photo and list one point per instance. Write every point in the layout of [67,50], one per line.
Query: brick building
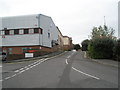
[64,42]
[28,33]
[67,45]
[60,40]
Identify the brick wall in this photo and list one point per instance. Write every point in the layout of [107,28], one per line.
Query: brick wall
[19,49]
[17,52]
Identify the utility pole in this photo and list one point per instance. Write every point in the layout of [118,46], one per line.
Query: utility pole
[104,21]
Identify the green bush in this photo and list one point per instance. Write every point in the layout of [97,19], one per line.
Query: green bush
[85,45]
[77,47]
[101,48]
[116,50]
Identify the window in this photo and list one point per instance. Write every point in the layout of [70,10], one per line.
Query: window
[3,32]
[24,50]
[6,32]
[21,31]
[0,32]
[11,32]
[9,50]
[31,31]
[26,31]
[16,31]
[48,35]
[41,31]
[36,30]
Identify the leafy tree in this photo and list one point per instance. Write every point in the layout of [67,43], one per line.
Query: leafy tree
[77,47]
[102,43]
[101,48]
[100,32]
[85,45]
[116,50]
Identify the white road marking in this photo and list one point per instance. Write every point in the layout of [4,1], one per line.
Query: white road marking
[1,80]
[69,56]
[7,78]
[66,61]
[13,75]
[30,66]
[26,68]
[85,73]
[82,72]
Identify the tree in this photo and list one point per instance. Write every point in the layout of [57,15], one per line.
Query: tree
[101,48]
[85,45]
[77,47]
[100,32]
[102,43]
[116,50]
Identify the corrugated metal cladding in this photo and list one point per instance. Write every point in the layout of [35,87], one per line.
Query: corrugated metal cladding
[16,22]
[30,22]
[119,19]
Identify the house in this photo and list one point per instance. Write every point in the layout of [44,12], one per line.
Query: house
[60,41]
[29,33]
[64,42]
[68,45]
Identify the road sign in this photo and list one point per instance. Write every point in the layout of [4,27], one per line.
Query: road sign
[28,55]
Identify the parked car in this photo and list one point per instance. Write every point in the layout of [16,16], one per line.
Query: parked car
[3,56]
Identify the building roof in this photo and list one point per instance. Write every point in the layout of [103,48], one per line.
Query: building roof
[59,30]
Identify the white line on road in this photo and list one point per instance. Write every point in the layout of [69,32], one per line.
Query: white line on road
[85,73]
[13,75]
[82,72]
[7,78]
[69,56]
[27,68]
[66,61]
[30,66]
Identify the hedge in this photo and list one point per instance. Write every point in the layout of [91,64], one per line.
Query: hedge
[116,50]
[101,48]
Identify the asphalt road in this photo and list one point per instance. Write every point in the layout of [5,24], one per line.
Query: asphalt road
[69,70]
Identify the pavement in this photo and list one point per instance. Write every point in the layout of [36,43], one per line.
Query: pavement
[104,61]
[34,58]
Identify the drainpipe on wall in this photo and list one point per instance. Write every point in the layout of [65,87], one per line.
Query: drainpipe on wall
[39,26]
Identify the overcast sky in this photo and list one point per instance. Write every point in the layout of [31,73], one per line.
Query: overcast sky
[75,18]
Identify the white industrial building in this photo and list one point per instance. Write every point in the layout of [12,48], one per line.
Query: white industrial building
[29,31]
[119,19]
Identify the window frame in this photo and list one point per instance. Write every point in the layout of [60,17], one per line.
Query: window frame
[37,31]
[15,32]
[41,31]
[26,32]
[48,34]
[7,32]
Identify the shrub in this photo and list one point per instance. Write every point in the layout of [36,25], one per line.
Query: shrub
[77,47]
[101,48]
[116,50]
[85,45]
